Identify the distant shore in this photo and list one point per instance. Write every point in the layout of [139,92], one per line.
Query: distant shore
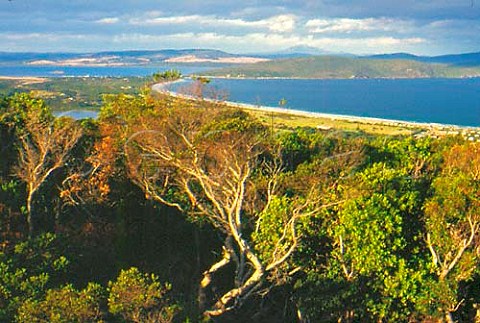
[223,77]
[24,79]
[163,88]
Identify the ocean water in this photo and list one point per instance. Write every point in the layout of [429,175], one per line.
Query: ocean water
[97,71]
[77,114]
[446,101]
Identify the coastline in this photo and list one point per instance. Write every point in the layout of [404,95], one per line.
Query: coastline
[24,79]
[223,77]
[162,88]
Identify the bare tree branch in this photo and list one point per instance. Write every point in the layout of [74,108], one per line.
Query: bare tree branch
[43,149]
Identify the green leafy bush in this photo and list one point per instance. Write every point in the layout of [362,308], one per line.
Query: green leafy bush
[27,272]
[64,305]
[138,297]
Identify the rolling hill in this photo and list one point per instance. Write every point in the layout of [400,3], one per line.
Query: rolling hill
[345,67]
[467,59]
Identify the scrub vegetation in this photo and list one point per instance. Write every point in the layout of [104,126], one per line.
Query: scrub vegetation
[72,93]
[172,210]
[337,67]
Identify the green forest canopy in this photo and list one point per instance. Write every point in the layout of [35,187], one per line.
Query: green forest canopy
[171,210]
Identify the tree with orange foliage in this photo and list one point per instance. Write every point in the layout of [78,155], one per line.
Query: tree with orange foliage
[91,185]
[202,161]
[453,225]
[90,182]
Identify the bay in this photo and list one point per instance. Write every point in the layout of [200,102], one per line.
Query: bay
[444,101]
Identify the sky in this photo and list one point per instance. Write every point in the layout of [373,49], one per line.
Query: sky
[422,27]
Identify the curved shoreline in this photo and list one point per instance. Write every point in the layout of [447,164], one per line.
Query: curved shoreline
[220,77]
[162,88]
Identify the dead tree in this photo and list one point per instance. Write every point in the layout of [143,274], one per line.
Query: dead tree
[44,148]
[208,174]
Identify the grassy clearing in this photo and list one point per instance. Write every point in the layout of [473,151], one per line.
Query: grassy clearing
[289,121]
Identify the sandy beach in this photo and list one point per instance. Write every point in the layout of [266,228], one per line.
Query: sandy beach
[163,88]
[24,79]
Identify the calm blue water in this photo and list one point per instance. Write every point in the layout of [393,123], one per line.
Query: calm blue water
[120,71]
[77,114]
[448,101]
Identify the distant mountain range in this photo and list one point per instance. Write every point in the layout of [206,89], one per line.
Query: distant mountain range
[294,52]
[298,61]
[123,58]
[303,51]
[151,57]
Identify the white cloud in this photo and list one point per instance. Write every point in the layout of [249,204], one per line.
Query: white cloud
[108,21]
[347,25]
[21,37]
[166,20]
[153,13]
[247,43]
[453,25]
[280,23]
[42,37]
[50,42]
[258,42]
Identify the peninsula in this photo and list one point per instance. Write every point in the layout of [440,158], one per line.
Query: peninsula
[338,67]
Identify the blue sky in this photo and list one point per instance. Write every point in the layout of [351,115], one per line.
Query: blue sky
[427,27]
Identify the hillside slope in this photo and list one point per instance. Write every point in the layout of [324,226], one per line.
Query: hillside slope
[465,60]
[345,67]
